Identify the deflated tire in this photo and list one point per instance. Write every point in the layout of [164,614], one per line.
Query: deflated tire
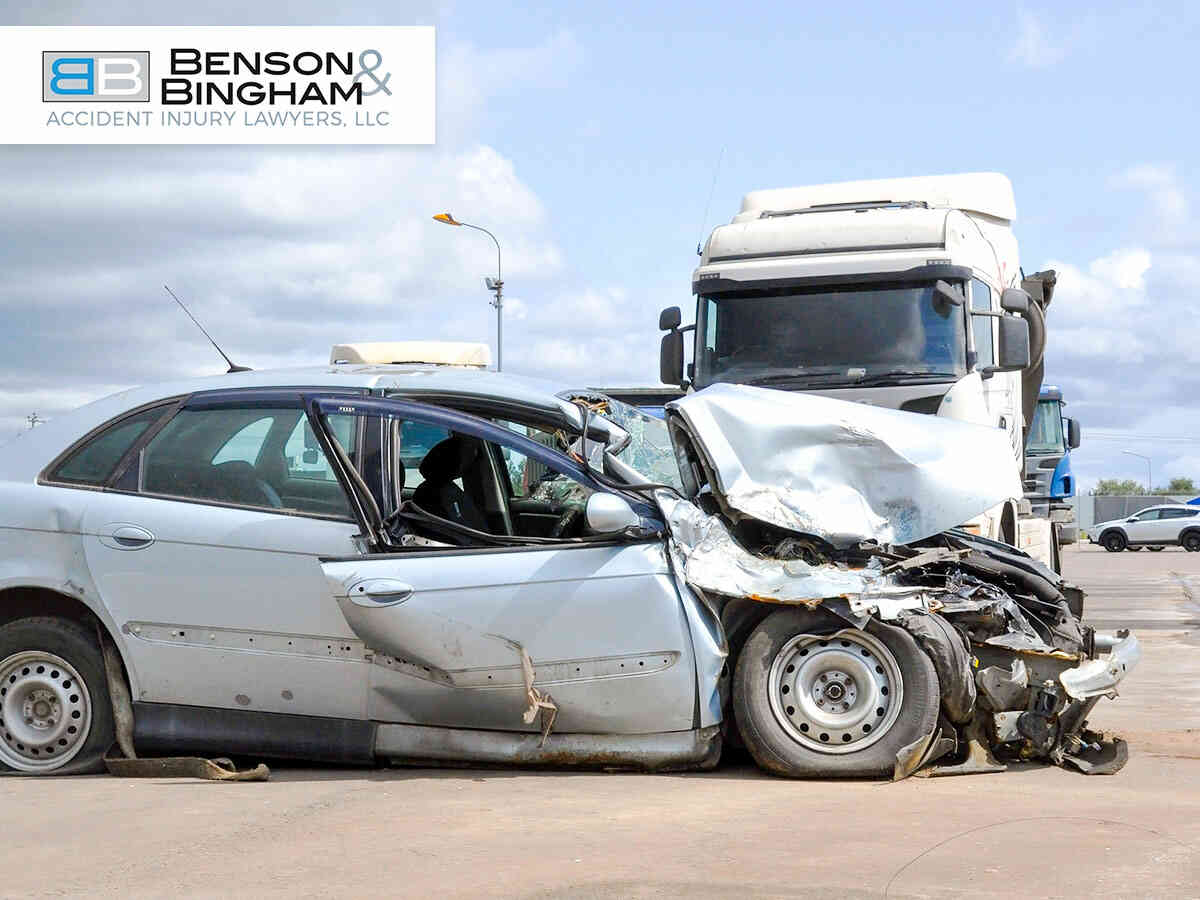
[815,701]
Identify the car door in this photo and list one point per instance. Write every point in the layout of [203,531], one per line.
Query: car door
[1141,527]
[1171,522]
[213,577]
[448,626]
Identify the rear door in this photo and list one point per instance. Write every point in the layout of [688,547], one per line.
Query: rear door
[447,626]
[208,561]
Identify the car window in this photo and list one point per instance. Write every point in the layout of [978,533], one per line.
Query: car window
[981,299]
[1149,515]
[416,440]
[246,444]
[1176,513]
[94,461]
[237,456]
[302,453]
[524,473]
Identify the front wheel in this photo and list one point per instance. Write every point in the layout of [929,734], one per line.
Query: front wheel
[54,708]
[1114,542]
[812,702]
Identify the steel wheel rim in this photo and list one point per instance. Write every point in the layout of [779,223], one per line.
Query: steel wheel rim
[837,693]
[45,711]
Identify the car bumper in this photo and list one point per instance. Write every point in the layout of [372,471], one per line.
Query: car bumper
[1099,677]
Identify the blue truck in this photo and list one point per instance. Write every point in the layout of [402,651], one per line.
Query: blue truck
[1049,482]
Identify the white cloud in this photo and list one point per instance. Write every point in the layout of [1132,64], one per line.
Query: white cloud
[1167,202]
[1034,47]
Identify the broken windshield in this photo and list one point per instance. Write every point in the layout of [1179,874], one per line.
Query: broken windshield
[829,335]
[649,450]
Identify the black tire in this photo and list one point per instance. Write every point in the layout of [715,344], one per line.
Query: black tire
[777,751]
[1191,542]
[1113,542]
[1156,549]
[73,644]
[1133,549]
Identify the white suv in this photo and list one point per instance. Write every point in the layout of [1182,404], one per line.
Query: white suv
[1155,527]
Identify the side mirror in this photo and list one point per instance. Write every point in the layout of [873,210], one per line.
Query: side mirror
[670,358]
[1074,434]
[946,294]
[609,514]
[1014,300]
[310,457]
[669,318]
[1012,350]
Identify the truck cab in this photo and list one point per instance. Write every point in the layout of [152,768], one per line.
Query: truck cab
[1049,482]
[904,293]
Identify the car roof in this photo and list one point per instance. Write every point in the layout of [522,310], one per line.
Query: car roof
[24,456]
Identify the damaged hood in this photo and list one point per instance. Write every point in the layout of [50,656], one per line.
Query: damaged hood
[844,472]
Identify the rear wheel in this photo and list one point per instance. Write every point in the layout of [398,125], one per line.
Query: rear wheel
[1114,542]
[817,702]
[1191,542]
[54,707]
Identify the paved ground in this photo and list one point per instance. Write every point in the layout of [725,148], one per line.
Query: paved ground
[1027,832]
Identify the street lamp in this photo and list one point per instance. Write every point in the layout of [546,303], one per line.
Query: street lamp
[1149,480]
[495,285]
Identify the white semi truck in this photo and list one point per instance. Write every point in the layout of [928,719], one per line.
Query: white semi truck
[906,293]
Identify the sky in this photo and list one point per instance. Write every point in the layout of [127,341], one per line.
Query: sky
[589,138]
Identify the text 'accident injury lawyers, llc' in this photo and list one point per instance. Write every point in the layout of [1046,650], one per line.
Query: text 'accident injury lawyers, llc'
[260,85]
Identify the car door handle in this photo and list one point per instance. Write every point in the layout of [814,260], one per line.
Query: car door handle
[373,593]
[122,536]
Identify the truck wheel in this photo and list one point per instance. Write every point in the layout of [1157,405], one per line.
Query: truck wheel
[1191,542]
[816,702]
[54,706]
[1114,542]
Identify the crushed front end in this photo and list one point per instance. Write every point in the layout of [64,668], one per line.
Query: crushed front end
[850,512]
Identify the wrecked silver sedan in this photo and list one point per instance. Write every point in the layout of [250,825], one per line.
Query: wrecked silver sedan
[423,565]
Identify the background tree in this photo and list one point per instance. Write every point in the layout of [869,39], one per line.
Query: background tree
[1107,487]
[1180,486]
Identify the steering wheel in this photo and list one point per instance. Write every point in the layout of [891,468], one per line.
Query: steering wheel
[565,522]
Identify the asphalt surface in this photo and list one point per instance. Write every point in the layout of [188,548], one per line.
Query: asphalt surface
[1031,831]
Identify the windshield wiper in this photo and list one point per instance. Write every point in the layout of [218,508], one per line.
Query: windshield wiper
[900,377]
[796,376]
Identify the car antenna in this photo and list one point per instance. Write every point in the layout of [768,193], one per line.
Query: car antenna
[232,367]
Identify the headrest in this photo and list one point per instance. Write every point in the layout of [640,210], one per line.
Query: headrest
[449,459]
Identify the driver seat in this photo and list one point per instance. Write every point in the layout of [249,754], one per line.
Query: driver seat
[438,494]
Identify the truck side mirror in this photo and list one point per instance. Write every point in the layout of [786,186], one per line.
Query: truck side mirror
[1014,300]
[670,358]
[669,318]
[1073,434]
[1012,351]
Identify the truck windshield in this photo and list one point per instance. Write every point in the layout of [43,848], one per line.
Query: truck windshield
[1046,432]
[830,335]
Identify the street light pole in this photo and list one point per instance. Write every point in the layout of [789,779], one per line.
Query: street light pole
[495,285]
[1149,480]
